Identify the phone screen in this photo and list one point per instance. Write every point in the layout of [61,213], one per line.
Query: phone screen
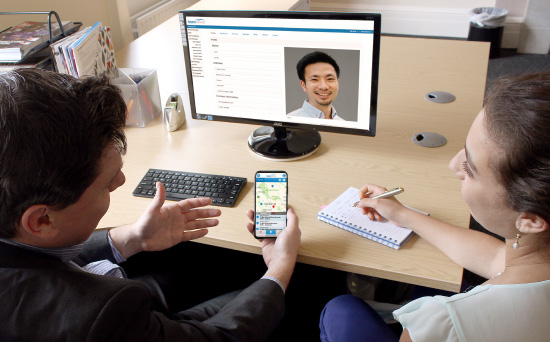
[271,191]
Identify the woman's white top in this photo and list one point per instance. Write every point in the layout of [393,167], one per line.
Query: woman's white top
[519,312]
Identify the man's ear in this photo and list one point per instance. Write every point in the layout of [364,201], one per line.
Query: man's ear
[530,223]
[35,221]
[303,84]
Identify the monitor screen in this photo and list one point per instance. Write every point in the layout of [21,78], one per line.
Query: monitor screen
[296,72]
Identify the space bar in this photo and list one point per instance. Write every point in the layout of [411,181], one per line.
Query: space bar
[179,196]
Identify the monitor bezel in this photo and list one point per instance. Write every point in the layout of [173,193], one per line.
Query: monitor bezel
[375,17]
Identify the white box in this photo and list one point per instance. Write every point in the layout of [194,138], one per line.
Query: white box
[140,89]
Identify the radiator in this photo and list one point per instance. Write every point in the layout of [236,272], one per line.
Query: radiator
[157,14]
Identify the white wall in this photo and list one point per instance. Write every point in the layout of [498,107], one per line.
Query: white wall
[535,35]
[441,18]
[527,25]
[409,3]
[517,10]
[136,6]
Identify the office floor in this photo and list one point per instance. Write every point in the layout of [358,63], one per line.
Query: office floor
[510,63]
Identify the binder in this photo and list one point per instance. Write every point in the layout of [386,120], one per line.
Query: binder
[89,52]
[341,213]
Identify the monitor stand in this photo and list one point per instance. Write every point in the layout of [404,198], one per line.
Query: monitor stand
[282,144]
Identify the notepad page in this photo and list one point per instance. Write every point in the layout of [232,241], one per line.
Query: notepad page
[342,214]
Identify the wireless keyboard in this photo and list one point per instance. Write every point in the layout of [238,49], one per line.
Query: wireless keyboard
[224,190]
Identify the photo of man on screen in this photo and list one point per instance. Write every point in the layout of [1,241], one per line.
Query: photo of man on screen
[319,78]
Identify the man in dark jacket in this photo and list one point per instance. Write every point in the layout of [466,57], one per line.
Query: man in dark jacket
[61,148]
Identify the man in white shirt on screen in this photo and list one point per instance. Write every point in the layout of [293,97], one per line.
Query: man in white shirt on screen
[318,73]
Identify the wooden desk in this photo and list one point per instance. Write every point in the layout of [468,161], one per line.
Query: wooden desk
[410,67]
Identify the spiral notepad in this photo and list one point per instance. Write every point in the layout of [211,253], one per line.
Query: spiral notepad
[342,214]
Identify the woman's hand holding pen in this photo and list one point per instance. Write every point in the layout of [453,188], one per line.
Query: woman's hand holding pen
[381,209]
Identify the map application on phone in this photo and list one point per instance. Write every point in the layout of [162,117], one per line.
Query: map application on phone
[271,191]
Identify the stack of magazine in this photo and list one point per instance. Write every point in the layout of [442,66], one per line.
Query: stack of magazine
[87,52]
[26,44]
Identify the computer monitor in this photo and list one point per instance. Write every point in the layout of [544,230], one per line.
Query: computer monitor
[243,66]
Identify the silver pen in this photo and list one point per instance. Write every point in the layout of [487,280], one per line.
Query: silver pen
[389,193]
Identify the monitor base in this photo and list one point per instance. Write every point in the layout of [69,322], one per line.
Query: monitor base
[282,144]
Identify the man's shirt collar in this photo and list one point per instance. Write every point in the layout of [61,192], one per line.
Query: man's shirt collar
[65,254]
[315,112]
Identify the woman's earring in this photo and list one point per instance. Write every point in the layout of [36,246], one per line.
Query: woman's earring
[516,244]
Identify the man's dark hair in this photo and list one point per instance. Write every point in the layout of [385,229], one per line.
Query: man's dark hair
[517,119]
[53,131]
[312,58]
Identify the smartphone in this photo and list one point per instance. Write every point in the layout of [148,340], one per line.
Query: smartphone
[270,203]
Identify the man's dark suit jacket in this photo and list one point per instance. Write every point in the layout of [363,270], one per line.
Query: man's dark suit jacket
[45,299]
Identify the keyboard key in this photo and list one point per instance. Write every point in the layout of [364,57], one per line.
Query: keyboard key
[179,185]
